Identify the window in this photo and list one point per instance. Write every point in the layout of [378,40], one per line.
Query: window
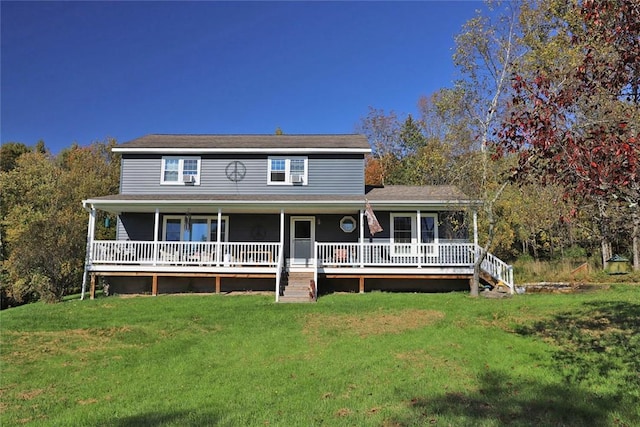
[429,228]
[404,231]
[347,224]
[287,171]
[196,229]
[180,171]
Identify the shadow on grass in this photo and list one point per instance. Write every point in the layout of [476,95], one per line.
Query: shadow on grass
[503,401]
[181,418]
[596,353]
[599,342]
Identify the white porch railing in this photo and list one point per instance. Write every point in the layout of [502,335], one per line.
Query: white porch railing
[391,254]
[498,269]
[226,254]
[410,255]
[269,254]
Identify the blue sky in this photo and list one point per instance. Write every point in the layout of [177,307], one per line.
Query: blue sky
[84,71]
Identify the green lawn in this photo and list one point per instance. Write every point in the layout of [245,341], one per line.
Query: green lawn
[378,359]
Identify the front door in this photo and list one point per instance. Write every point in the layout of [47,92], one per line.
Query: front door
[302,238]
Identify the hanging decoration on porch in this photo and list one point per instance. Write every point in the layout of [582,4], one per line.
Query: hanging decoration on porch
[374,225]
[187,221]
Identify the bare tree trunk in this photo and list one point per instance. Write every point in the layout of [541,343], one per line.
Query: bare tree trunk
[475,286]
[605,242]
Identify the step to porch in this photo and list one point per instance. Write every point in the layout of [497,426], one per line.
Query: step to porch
[298,287]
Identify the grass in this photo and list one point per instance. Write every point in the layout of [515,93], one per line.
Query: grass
[378,359]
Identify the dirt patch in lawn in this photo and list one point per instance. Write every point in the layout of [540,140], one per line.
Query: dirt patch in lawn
[37,345]
[372,324]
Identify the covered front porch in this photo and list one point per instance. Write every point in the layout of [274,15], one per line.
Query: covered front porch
[315,240]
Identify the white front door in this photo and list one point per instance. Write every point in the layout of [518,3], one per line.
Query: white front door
[303,232]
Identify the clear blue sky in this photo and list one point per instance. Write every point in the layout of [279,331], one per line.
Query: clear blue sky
[84,71]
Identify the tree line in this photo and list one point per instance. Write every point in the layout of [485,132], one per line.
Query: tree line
[541,127]
[43,227]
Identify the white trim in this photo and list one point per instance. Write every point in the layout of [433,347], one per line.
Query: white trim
[341,203]
[416,231]
[181,160]
[292,220]
[210,219]
[287,170]
[239,150]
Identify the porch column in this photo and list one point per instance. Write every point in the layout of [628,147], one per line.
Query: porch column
[156,227]
[475,232]
[281,255]
[361,238]
[89,252]
[218,234]
[419,225]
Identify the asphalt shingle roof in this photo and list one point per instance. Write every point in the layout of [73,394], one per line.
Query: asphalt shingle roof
[352,141]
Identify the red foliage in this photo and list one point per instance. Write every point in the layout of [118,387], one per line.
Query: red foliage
[574,130]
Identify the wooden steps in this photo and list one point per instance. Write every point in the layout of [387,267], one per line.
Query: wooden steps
[298,287]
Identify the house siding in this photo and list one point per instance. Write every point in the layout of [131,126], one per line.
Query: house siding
[327,174]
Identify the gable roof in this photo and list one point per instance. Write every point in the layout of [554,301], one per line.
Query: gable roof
[165,143]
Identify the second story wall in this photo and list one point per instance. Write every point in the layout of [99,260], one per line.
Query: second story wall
[325,174]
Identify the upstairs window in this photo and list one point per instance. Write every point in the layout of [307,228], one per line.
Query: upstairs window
[180,171]
[287,171]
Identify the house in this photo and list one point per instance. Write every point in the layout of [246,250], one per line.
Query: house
[284,213]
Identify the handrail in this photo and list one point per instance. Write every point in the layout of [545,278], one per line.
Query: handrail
[391,254]
[499,270]
[128,252]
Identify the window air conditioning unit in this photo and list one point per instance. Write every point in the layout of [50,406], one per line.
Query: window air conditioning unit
[296,179]
[189,179]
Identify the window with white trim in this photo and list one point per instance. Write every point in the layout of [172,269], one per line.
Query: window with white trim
[181,228]
[287,171]
[180,170]
[404,232]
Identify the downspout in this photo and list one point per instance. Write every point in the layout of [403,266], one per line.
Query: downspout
[88,252]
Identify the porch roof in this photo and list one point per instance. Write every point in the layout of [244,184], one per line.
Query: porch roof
[385,198]
[166,144]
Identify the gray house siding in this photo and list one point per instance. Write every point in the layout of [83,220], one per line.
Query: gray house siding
[327,174]
[135,226]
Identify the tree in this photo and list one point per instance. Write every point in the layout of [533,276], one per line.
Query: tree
[44,222]
[9,153]
[486,54]
[577,125]
[382,130]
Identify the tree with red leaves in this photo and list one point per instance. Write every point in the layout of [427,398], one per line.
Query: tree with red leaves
[577,126]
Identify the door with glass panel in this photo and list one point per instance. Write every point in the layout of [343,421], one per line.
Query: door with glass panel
[302,238]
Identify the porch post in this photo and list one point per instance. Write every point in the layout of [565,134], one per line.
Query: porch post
[218,234]
[361,238]
[475,229]
[280,255]
[419,225]
[89,253]
[156,227]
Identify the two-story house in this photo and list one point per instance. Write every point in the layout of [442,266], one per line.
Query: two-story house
[284,213]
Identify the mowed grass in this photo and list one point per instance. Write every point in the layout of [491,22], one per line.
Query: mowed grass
[377,359]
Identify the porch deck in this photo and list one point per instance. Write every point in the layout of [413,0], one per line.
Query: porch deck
[266,259]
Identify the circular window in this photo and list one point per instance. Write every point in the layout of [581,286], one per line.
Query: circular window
[347,224]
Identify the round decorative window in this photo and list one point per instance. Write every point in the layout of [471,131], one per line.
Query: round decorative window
[347,224]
